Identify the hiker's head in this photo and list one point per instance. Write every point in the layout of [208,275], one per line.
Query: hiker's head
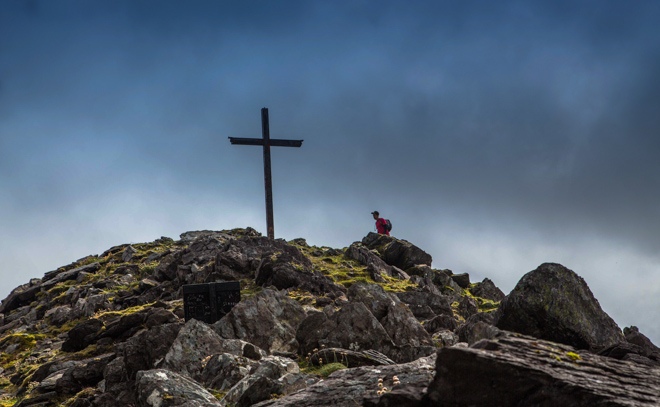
[376,214]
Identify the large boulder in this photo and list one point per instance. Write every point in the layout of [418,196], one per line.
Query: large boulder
[372,319]
[397,252]
[268,320]
[350,387]
[554,303]
[515,370]
[163,388]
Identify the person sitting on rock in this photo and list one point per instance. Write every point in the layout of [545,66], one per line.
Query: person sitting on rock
[381,224]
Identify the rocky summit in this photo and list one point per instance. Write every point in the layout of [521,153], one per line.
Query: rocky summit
[372,324]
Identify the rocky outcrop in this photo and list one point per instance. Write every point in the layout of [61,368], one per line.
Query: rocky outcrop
[314,327]
[554,303]
[397,252]
[269,320]
[350,387]
[516,370]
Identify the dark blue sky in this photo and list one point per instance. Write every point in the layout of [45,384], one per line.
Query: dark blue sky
[495,135]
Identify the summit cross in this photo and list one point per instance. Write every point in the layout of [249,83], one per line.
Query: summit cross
[266,142]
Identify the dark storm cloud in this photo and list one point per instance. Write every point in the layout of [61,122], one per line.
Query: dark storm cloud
[510,126]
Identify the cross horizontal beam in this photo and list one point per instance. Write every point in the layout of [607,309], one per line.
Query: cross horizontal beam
[260,142]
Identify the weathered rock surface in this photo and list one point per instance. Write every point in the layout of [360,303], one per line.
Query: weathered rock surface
[397,252]
[269,320]
[349,387]
[554,303]
[164,388]
[514,370]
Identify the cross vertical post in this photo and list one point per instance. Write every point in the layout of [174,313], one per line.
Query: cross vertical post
[268,181]
[266,142]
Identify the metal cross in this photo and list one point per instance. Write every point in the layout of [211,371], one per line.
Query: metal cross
[266,142]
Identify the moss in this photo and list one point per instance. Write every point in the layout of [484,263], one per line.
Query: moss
[397,285]
[249,288]
[303,297]
[573,356]
[484,304]
[323,370]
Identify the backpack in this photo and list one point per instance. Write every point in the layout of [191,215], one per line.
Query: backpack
[388,225]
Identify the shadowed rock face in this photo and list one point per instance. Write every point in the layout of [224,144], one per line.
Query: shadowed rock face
[554,303]
[514,370]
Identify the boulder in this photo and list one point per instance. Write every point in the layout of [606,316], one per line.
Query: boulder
[262,382]
[425,304]
[463,279]
[349,387]
[352,327]
[222,371]
[373,319]
[554,303]
[268,320]
[82,335]
[488,290]
[477,327]
[163,388]
[516,370]
[195,342]
[408,335]
[397,252]
[375,265]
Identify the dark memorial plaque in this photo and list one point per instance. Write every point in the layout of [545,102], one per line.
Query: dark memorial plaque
[209,302]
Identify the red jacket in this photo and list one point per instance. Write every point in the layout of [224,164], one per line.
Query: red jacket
[380,227]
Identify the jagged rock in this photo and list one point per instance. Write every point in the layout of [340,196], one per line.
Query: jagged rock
[637,348]
[128,253]
[440,322]
[282,272]
[146,349]
[195,342]
[477,327]
[425,304]
[554,303]
[262,382]
[630,352]
[349,387]
[375,265]
[463,279]
[82,335]
[268,320]
[58,276]
[223,371]
[514,370]
[407,334]
[20,296]
[163,388]
[488,290]
[397,252]
[353,327]
[200,255]
[85,373]
[635,337]
[356,327]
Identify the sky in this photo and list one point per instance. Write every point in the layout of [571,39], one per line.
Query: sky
[496,136]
